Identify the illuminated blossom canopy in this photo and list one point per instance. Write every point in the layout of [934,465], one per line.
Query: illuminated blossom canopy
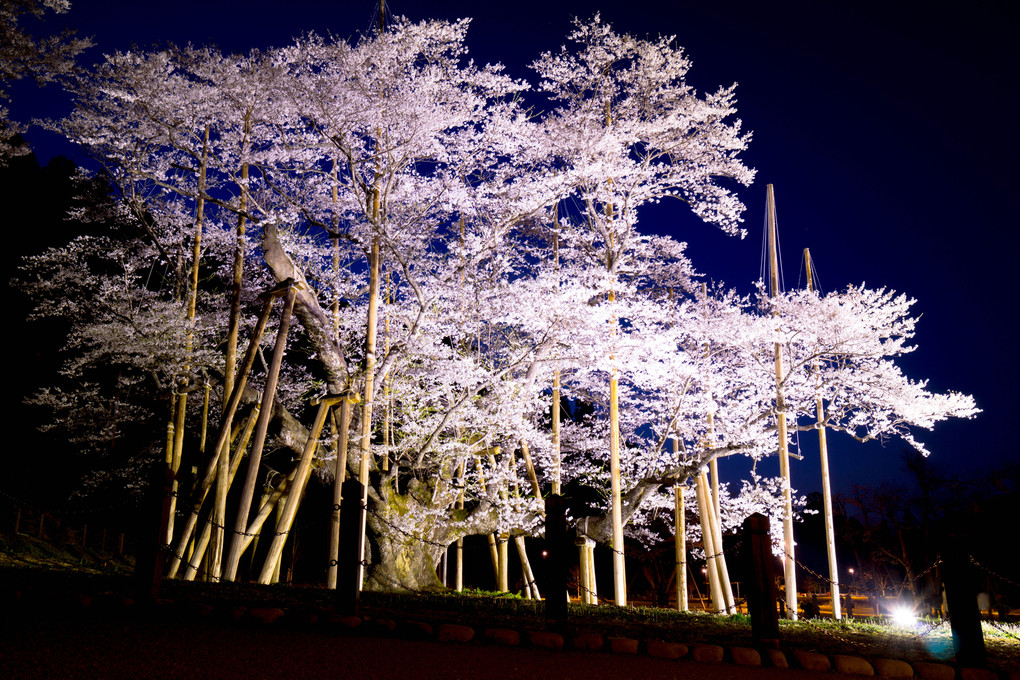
[509,247]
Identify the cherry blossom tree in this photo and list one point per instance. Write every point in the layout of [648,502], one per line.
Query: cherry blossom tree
[451,254]
[47,60]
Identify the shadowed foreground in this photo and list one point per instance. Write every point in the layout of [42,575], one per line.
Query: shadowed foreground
[102,649]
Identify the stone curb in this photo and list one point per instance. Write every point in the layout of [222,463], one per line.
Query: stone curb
[842,664]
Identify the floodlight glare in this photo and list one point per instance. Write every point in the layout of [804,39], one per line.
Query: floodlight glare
[903,616]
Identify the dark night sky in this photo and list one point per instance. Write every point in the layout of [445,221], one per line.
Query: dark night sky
[888,130]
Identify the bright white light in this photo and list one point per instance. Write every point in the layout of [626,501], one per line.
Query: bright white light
[903,616]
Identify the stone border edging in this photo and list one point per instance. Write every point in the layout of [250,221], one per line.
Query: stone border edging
[452,633]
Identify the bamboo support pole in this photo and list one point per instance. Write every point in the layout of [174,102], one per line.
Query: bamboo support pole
[458,574]
[342,428]
[234,323]
[201,547]
[680,537]
[225,478]
[365,446]
[504,562]
[529,465]
[502,575]
[491,538]
[301,475]
[583,593]
[175,463]
[556,463]
[789,563]
[272,498]
[261,428]
[823,451]
[494,557]
[182,398]
[387,399]
[530,584]
[619,564]
[212,470]
[619,560]
[213,533]
[720,561]
[708,540]
[273,562]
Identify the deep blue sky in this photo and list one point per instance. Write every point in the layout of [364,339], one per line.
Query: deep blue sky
[888,130]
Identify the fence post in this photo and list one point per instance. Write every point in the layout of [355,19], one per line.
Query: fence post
[351,553]
[761,595]
[961,596]
[556,547]
[150,553]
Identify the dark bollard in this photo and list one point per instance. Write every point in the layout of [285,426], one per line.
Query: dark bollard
[348,587]
[762,595]
[964,616]
[556,546]
[150,555]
